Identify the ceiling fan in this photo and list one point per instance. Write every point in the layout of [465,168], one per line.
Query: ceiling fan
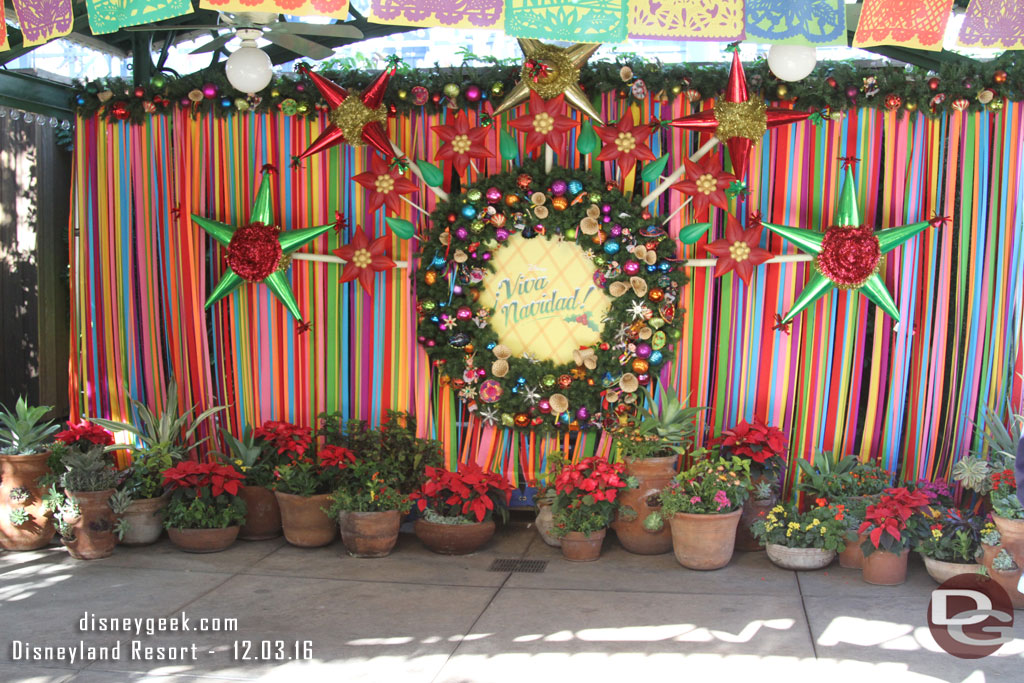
[267,25]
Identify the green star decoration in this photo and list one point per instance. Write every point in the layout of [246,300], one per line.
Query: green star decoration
[848,226]
[291,241]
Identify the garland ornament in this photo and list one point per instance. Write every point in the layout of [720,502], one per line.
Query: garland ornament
[551,71]
[259,251]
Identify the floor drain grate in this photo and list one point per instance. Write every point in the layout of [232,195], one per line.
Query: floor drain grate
[520,566]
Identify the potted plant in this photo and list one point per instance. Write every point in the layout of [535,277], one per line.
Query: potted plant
[544,500]
[458,508]
[991,544]
[650,450]
[951,544]
[1007,512]
[161,440]
[893,527]
[829,477]
[303,487]
[24,522]
[852,556]
[763,497]
[802,541]
[368,510]
[86,520]
[585,503]
[204,512]
[1006,573]
[703,506]
[256,458]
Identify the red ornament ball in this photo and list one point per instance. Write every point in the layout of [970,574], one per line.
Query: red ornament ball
[254,252]
[849,255]
[933,83]
[893,102]
[119,110]
[831,82]
[999,76]
[564,381]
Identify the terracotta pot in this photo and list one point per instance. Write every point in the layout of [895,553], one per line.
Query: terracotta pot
[883,568]
[653,474]
[454,539]
[752,509]
[988,553]
[203,540]
[23,471]
[800,559]
[262,514]
[1012,531]
[940,570]
[853,557]
[1008,578]
[704,541]
[545,522]
[369,534]
[304,523]
[579,547]
[145,520]
[94,528]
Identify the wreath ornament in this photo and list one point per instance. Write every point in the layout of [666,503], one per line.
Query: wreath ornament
[633,264]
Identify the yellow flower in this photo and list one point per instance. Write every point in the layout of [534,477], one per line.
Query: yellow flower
[823,531]
[815,522]
[936,533]
[779,508]
[238,461]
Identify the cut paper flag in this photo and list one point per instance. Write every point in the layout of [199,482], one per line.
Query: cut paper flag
[470,14]
[993,23]
[586,21]
[912,23]
[106,16]
[797,22]
[3,30]
[43,20]
[324,8]
[718,20]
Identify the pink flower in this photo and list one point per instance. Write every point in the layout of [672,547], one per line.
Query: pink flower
[695,500]
[721,499]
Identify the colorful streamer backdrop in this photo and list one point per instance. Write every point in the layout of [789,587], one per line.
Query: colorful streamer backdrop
[846,378]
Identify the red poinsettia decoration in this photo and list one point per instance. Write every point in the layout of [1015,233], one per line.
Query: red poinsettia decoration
[385,184]
[285,438]
[462,143]
[199,475]
[706,182]
[625,143]
[84,435]
[546,123]
[764,444]
[363,258]
[739,251]
[471,491]
[254,252]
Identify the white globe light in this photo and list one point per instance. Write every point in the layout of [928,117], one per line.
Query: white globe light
[249,68]
[792,62]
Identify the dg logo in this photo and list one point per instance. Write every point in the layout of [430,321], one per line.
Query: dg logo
[970,616]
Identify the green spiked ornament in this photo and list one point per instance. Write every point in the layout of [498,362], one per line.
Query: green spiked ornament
[258,251]
[508,146]
[654,169]
[401,227]
[432,175]
[587,141]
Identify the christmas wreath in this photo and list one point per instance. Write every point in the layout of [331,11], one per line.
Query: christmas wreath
[633,263]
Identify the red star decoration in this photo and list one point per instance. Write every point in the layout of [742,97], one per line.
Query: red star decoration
[385,184]
[364,259]
[372,133]
[739,147]
[738,251]
[462,143]
[624,143]
[546,123]
[706,182]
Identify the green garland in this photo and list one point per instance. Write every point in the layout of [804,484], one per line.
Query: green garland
[638,326]
[832,87]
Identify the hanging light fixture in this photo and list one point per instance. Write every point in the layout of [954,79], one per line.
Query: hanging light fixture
[249,68]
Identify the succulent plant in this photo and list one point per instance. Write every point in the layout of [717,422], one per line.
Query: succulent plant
[89,471]
[19,516]
[23,431]
[972,473]
[1004,562]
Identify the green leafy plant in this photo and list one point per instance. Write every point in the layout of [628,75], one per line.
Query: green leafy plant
[821,527]
[711,486]
[829,477]
[1003,495]
[587,495]
[362,490]
[307,477]
[1004,562]
[19,495]
[990,534]
[203,496]
[578,517]
[23,431]
[764,490]
[256,460]
[90,470]
[952,536]
[119,503]
[19,516]
[998,452]
[671,421]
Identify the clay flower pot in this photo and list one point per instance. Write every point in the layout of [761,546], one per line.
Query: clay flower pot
[369,534]
[454,539]
[579,547]
[1012,531]
[262,514]
[988,553]
[94,528]
[23,471]
[545,523]
[704,541]
[940,570]
[853,557]
[883,568]
[304,521]
[203,540]
[1008,578]
[145,519]
[653,474]
[752,509]
[799,559]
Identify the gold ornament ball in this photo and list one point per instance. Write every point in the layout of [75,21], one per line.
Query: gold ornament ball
[559,203]
[498,89]
[522,420]
[468,349]
[511,199]
[640,366]
[275,93]
[452,90]
[911,105]
[403,94]
[999,76]
[676,89]
[656,294]
[782,90]
[430,277]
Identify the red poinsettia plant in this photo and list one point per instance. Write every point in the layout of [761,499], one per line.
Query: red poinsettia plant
[586,495]
[84,435]
[204,495]
[764,445]
[895,522]
[471,494]
[284,438]
[307,477]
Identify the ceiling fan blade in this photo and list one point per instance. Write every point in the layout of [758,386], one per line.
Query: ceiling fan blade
[183,28]
[330,30]
[299,45]
[214,44]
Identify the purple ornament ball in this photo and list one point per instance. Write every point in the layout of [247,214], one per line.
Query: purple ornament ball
[209,91]
[582,413]
[465,313]
[643,350]
[544,406]
[616,230]
[473,93]
[631,267]
[493,195]
[559,187]
[461,233]
[501,234]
